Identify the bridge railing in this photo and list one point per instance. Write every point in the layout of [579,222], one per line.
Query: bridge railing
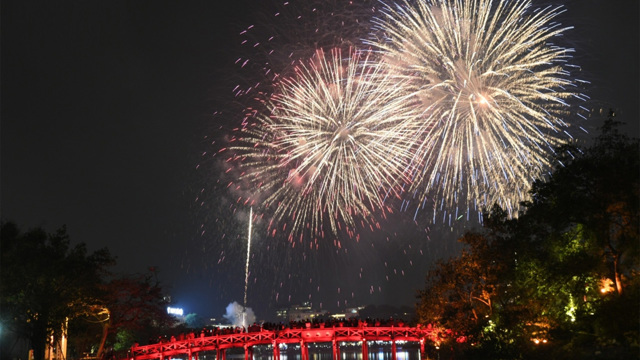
[191,346]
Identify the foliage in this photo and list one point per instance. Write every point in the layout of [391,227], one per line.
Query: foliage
[137,303]
[194,321]
[49,286]
[46,281]
[133,309]
[124,339]
[561,280]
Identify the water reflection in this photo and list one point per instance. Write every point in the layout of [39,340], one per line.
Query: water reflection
[378,350]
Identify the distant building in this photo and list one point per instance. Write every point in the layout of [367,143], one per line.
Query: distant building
[353,312]
[299,313]
[306,312]
[282,315]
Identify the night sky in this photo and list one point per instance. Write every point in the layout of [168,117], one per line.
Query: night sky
[108,107]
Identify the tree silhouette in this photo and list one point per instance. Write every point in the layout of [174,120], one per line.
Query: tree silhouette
[46,282]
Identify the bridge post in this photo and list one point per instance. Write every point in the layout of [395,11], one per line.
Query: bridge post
[221,354]
[304,350]
[335,346]
[276,350]
[365,349]
[422,354]
[394,350]
[248,352]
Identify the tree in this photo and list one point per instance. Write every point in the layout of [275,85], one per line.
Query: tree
[471,295]
[564,272]
[132,309]
[598,189]
[589,211]
[137,304]
[194,321]
[46,282]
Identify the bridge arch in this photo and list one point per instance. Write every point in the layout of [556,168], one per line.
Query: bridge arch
[219,343]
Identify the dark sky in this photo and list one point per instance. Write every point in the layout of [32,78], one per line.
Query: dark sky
[105,106]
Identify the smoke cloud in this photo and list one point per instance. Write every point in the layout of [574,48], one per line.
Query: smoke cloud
[234,315]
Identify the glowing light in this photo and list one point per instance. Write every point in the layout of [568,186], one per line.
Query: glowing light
[606,286]
[571,309]
[175,311]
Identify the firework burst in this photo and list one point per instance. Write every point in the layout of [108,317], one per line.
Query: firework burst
[491,88]
[330,146]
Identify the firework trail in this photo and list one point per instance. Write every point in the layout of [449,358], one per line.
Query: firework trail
[330,146]
[246,267]
[491,87]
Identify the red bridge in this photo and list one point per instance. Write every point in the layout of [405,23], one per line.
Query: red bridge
[190,347]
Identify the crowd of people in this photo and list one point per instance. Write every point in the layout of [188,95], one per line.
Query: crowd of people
[327,323]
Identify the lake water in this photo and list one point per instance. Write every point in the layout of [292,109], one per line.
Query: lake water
[378,350]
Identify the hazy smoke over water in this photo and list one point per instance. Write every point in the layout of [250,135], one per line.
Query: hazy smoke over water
[234,315]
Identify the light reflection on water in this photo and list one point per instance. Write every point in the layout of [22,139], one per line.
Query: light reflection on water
[348,351]
[378,350]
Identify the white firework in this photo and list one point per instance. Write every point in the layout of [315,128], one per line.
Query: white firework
[491,87]
[330,147]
